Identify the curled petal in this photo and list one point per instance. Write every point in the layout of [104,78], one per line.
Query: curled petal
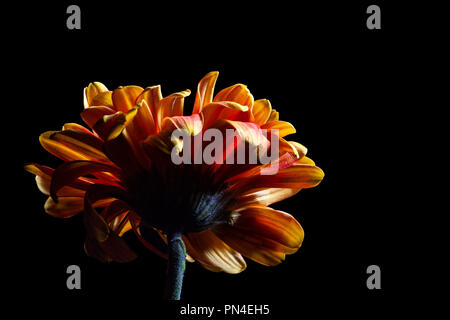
[44,184]
[192,124]
[295,176]
[237,93]
[262,197]
[92,90]
[262,234]
[76,127]
[261,111]
[143,124]
[205,91]
[171,105]
[152,96]
[67,207]
[223,110]
[305,160]
[111,126]
[102,242]
[144,233]
[212,253]
[93,114]
[274,115]
[103,99]
[82,142]
[61,150]
[284,128]
[124,98]
[68,172]
[301,149]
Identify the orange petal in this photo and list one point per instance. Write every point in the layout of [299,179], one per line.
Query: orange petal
[301,149]
[269,223]
[284,128]
[111,126]
[76,127]
[67,207]
[93,114]
[68,172]
[152,96]
[236,93]
[296,177]
[92,90]
[84,143]
[38,169]
[261,111]
[143,124]
[262,196]
[44,184]
[61,150]
[134,219]
[223,110]
[102,242]
[274,115]
[124,98]
[103,99]
[192,124]
[212,253]
[305,160]
[205,91]
[171,105]
[262,234]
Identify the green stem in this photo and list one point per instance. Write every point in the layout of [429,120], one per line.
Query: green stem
[175,266]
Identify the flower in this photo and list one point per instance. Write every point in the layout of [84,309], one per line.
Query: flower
[120,173]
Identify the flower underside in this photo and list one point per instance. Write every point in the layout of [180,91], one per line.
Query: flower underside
[119,172]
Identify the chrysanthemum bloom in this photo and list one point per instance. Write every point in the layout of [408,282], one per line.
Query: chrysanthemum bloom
[119,173]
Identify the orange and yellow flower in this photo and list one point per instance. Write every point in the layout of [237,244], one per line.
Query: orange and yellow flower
[119,173]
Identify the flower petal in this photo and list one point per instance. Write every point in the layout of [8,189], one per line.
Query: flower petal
[84,143]
[223,110]
[143,124]
[262,234]
[261,111]
[274,115]
[237,93]
[68,172]
[92,90]
[192,124]
[124,98]
[102,242]
[67,207]
[111,126]
[296,176]
[76,127]
[171,105]
[103,99]
[152,96]
[205,91]
[61,150]
[212,253]
[262,196]
[44,184]
[284,128]
[144,233]
[93,114]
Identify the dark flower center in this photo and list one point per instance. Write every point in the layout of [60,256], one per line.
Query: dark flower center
[181,198]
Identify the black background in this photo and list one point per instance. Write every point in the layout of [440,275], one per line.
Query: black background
[336,81]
